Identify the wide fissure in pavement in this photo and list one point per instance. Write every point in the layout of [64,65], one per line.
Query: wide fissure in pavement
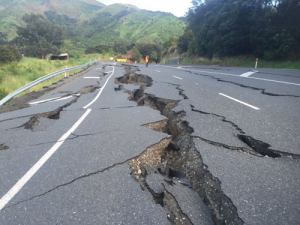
[55,114]
[180,159]
[257,147]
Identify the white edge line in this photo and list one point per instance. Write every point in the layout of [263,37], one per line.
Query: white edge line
[92,77]
[100,92]
[256,78]
[19,185]
[50,100]
[178,77]
[244,103]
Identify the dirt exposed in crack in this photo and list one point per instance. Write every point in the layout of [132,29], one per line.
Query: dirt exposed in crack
[152,157]
[87,90]
[159,126]
[185,159]
[132,78]
[3,147]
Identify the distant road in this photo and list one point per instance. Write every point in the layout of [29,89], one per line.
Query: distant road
[67,154]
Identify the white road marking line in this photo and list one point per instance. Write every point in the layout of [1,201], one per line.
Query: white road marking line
[276,81]
[158,71]
[244,103]
[51,100]
[92,77]
[178,77]
[256,78]
[19,185]
[109,72]
[100,92]
[196,83]
[248,74]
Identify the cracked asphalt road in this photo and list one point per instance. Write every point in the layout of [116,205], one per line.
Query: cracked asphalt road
[87,178]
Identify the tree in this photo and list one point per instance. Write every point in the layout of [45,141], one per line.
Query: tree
[136,54]
[39,37]
[97,49]
[153,56]
[147,49]
[9,54]
[3,38]
[264,28]
[184,40]
[120,48]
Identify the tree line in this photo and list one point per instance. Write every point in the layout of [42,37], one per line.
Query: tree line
[264,28]
[40,37]
[134,51]
[37,38]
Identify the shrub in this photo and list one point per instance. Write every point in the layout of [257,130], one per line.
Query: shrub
[3,93]
[12,67]
[9,54]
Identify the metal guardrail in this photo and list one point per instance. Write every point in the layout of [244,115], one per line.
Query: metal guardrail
[41,79]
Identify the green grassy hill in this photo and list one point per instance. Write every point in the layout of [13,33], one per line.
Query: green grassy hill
[11,11]
[125,23]
[89,22]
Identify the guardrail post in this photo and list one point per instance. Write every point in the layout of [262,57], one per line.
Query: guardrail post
[66,72]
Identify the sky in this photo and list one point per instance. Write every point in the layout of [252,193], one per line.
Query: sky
[176,7]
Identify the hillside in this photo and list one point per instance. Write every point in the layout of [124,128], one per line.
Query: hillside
[128,24]
[89,22]
[11,11]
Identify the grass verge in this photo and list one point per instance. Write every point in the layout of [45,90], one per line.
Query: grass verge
[242,61]
[17,74]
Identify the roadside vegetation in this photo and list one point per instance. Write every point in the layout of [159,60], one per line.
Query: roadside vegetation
[16,74]
[235,33]
[240,61]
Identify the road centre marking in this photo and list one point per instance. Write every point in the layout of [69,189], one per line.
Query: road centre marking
[30,173]
[100,92]
[92,77]
[244,103]
[178,77]
[158,71]
[248,74]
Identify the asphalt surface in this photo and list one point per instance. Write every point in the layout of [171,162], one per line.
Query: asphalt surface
[87,179]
